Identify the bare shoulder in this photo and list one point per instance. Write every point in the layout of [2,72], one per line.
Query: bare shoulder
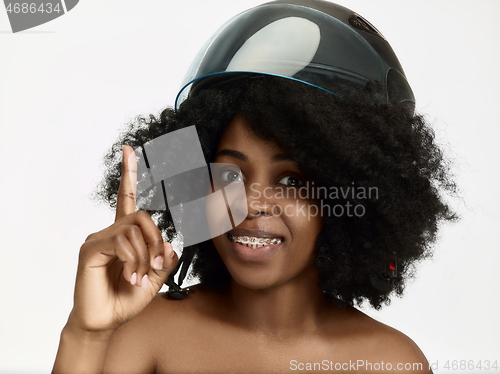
[166,315]
[382,343]
[159,328]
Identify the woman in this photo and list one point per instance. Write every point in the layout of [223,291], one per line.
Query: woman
[370,176]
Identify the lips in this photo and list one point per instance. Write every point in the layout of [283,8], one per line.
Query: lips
[253,241]
[254,245]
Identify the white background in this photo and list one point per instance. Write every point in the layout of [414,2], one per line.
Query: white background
[68,86]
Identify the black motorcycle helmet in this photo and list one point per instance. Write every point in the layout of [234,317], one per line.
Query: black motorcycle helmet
[312,41]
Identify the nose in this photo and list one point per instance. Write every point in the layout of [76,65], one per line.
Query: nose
[260,201]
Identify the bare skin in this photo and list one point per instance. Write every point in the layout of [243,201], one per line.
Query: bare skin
[272,319]
[120,270]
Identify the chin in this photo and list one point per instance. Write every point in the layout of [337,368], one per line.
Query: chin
[252,279]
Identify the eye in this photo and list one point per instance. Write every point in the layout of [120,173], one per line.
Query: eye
[291,181]
[231,176]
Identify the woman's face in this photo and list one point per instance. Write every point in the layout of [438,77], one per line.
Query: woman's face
[287,223]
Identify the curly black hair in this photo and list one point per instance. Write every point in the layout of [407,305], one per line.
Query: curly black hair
[343,142]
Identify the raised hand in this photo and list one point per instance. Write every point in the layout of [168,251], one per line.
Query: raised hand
[122,267]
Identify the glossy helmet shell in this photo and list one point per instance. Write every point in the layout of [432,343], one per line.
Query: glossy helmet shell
[312,41]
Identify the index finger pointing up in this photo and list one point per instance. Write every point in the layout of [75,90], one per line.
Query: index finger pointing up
[125,202]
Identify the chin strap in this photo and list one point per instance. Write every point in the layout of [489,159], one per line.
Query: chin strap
[174,289]
[383,280]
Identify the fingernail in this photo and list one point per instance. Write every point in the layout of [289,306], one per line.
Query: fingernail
[158,262]
[169,249]
[144,282]
[133,279]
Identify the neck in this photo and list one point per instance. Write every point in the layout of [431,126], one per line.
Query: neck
[295,307]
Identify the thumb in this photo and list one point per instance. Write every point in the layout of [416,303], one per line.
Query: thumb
[163,266]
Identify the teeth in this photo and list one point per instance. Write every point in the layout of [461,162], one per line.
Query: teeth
[254,242]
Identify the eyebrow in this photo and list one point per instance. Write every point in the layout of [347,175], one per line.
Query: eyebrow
[240,156]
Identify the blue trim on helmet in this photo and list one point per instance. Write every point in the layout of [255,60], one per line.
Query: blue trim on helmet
[249,72]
